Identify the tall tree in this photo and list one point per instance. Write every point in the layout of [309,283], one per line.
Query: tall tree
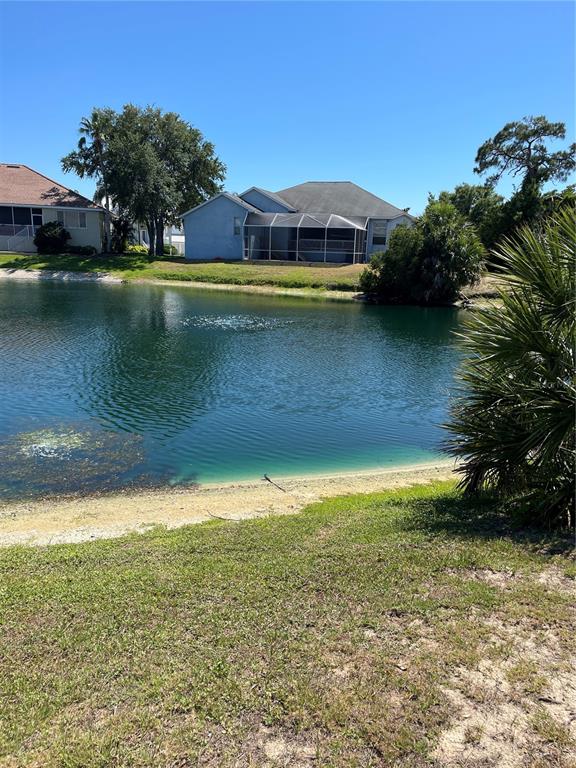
[521,149]
[158,165]
[90,156]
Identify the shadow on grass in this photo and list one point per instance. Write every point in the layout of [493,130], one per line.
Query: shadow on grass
[484,517]
[74,263]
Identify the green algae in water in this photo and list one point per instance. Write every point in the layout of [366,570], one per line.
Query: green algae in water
[49,443]
[70,460]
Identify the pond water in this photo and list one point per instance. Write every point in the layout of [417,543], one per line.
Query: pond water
[112,386]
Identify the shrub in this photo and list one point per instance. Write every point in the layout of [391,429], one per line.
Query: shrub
[82,250]
[170,250]
[137,249]
[428,263]
[513,420]
[51,238]
[389,275]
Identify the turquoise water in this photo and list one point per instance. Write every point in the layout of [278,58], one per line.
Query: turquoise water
[112,386]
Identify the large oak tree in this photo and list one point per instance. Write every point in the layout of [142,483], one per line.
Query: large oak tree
[153,165]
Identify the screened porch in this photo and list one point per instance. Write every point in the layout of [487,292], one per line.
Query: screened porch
[305,237]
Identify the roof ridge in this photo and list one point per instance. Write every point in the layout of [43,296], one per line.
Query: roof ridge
[376,197]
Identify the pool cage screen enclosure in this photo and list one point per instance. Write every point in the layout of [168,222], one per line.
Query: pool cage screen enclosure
[305,237]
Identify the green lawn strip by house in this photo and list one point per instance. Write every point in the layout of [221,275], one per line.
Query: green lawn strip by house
[134,267]
[326,638]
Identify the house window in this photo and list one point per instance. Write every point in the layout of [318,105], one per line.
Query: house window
[72,219]
[6,214]
[379,232]
[22,216]
[19,216]
[237,226]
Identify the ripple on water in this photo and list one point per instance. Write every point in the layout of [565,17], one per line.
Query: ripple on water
[236,322]
[105,386]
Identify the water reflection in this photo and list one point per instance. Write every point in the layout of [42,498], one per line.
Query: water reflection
[188,385]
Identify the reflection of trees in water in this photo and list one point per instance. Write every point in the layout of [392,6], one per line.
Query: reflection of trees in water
[419,346]
[69,459]
[153,374]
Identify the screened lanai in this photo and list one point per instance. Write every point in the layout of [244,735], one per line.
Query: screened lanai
[305,237]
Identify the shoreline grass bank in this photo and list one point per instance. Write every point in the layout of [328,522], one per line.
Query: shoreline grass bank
[343,278]
[408,627]
[339,282]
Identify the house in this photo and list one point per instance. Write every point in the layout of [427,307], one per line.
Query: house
[173,236]
[318,221]
[29,199]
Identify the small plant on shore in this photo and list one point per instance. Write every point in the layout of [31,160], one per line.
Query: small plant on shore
[136,248]
[51,238]
[513,421]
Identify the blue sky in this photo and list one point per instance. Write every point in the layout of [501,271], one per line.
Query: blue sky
[394,96]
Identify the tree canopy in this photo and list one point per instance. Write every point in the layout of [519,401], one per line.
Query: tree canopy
[152,164]
[480,205]
[521,149]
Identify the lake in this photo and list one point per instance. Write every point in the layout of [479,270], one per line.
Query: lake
[116,386]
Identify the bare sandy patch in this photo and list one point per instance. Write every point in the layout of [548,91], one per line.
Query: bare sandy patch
[81,519]
[515,711]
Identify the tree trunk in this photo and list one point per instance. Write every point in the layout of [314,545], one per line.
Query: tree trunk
[107,223]
[160,237]
[151,227]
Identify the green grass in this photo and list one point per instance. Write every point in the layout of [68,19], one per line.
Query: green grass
[319,639]
[134,266]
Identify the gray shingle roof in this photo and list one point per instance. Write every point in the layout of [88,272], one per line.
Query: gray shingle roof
[271,195]
[342,197]
[245,203]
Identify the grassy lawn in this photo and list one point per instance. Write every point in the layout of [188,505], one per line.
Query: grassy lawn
[404,628]
[133,266]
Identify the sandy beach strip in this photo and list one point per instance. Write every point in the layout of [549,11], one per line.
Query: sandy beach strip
[60,521]
[58,274]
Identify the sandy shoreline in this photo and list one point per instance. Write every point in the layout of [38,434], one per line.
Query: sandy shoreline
[475,297]
[74,520]
[58,274]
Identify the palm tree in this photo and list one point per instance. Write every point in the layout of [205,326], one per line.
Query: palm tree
[89,160]
[512,422]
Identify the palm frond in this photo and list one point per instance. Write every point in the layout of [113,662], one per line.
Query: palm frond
[513,419]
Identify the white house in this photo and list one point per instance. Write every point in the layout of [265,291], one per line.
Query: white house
[29,199]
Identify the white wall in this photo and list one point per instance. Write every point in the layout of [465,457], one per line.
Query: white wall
[91,235]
